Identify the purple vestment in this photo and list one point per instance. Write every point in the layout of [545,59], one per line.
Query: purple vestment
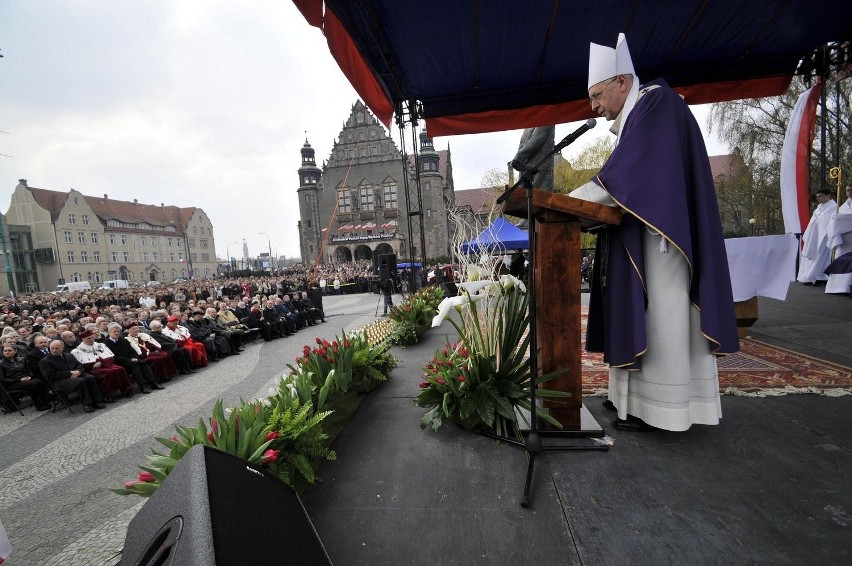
[660,175]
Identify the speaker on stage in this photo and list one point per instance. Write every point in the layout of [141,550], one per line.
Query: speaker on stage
[387,266]
[216,509]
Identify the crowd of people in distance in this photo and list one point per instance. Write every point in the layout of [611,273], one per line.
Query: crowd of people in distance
[99,345]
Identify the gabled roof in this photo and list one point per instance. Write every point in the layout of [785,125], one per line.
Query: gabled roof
[726,167]
[122,211]
[479,200]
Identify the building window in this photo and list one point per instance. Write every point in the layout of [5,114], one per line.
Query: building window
[390,197]
[362,136]
[374,150]
[309,224]
[70,257]
[144,256]
[81,237]
[112,238]
[191,242]
[344,200]
[174,273]
[123,240]
[153,241]
[96,257]
[94,236]
[429,213]
[362,152]
[143,241]
[205,257]
[203,244]
[193,256]
[180,256]
[98,277]
[114,257]
[366,198]
[427,185]
[85,219]
[75,277]
[171,256]
[155,256]
[126,256]
[194,230]
[312,248]
[84,257]
[169,241]
[72,218]
[68,238]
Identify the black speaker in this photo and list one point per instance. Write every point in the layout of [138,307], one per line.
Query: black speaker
[387,266]
[214,509]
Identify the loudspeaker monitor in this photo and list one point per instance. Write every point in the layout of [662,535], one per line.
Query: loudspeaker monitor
[387,266]
[214,509]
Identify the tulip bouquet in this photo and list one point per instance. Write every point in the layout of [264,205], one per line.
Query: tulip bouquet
[279,433]
[481,381]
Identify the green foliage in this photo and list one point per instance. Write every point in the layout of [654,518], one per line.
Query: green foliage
[301,443]
[480,381]
[404,334]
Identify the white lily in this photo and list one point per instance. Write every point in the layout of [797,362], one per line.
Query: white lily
[472,293]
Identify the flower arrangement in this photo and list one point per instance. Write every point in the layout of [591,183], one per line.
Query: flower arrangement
[286,431]
[279,433]
[482,380]
[419,308]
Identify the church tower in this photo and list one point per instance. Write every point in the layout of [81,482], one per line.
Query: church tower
[310,231]
[434,202]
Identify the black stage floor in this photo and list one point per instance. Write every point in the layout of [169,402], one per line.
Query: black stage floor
[772,484]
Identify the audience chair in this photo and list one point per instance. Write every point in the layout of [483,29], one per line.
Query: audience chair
[7,396]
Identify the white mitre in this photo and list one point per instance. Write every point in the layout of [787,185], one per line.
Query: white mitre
[606,63]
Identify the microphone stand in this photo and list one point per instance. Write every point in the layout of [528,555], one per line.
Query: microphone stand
[533,445]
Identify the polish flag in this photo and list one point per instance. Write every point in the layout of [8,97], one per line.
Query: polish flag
[795,158]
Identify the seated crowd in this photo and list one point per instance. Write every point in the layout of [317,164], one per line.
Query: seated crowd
[99,351]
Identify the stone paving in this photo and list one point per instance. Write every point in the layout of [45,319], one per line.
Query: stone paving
[55,469]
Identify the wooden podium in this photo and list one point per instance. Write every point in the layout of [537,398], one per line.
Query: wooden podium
[556,267]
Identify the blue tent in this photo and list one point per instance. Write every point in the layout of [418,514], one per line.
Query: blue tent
[500,235]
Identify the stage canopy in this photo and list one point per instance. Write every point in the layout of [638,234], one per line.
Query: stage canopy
[499,235]
[474,66]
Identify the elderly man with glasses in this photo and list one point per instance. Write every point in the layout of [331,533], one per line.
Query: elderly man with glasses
[664,309]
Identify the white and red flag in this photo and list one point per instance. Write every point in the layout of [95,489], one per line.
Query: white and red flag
[795,161]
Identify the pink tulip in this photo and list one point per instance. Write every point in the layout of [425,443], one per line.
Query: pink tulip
[273,434]
[147,477]
[128,485]
[214,425]
[270,456]
[211,438]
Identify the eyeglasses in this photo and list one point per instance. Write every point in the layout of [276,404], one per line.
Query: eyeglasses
[597,96]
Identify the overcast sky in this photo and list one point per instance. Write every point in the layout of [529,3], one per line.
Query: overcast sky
[188,102]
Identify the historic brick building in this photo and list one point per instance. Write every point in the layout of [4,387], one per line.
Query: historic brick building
[74,237]
[359,195]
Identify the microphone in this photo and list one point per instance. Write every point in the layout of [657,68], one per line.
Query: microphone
[572,137]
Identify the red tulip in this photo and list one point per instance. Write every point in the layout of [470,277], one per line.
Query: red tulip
[174,438]
[147,477]
[335,346]
[273,434]
[256,409]
[424,385]
[298,359]
[270,456]
[462,379]
[441,381]
[346,343]
[325,344]
[463,352]
[211,438]
[323,352]
[319,340]
[330,359]
[306,350]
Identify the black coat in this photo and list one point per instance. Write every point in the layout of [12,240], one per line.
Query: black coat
[55,368]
